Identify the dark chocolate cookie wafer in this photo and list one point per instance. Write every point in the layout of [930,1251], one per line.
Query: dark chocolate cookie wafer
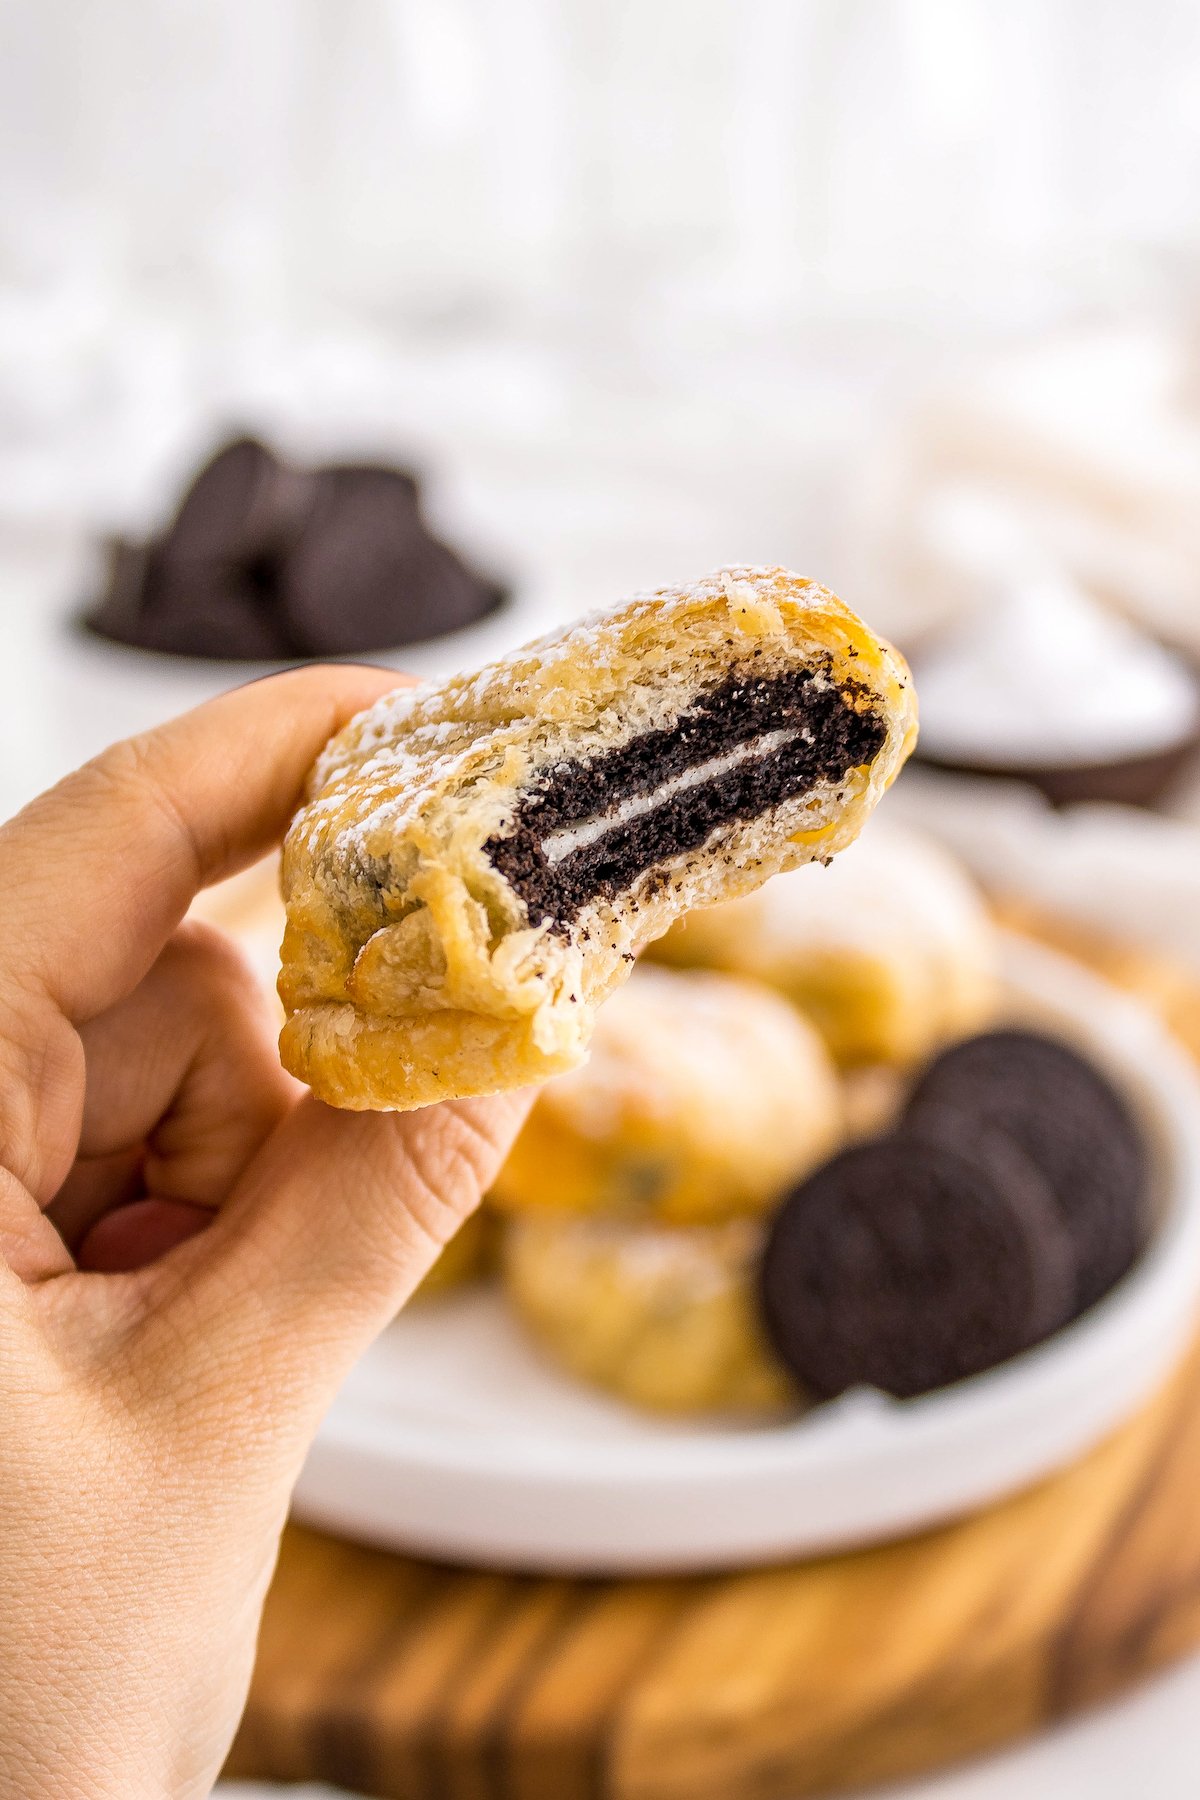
[244,506]
[365,573]
[223,614]
[1072,1123]
[908,1263]
[118,610]
[185,609]
[265,560]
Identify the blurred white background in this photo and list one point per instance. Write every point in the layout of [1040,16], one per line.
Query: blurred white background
[764,212]
[643,164]
[643,286]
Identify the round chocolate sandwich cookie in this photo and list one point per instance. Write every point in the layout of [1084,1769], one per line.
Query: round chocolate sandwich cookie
[202,610]
[911,1262]
[366,573]
[245,505]
[1070,1121]
[118,610]
[185,609]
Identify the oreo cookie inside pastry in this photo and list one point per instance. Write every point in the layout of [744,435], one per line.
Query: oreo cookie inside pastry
[480,859]
[1071,1122]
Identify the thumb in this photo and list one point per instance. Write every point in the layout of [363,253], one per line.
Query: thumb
[327,1233]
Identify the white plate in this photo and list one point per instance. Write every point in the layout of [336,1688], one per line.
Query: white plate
[454,1439]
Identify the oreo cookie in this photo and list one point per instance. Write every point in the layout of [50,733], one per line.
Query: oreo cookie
[1071,1122]
[221,614]
[117,613]
[184,609]
[913,1261]
[266,561]
[243,508]
[366,572]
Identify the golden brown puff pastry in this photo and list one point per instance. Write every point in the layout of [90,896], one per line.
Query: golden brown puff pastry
[703,1097]
[664,1316]
[890,951]
[480,858]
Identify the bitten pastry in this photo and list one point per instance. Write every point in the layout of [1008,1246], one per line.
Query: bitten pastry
[666,1318]
[704,1097]
[890,951]
[480,858]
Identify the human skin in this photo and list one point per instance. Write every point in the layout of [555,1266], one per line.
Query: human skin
[193,1251]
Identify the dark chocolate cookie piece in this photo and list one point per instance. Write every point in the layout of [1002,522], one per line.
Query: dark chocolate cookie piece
[366,574]
[911,1262]
[266,560]
[245,506]
[118,610]
[1070,1121]
[202,610]
[824,731]
[1028,1190]
[186,609]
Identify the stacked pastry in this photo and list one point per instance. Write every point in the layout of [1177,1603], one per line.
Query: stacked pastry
[635,1200]
[889,950]
[700,1218]
[638,1206]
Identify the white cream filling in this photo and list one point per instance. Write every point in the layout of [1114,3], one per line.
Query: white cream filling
[578,837]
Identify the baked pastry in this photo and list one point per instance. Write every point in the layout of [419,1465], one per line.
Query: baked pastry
[666,1318]
[890,951]
[873,1096]
[480,858]
[704,1097]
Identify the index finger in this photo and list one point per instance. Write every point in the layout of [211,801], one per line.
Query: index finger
[97,872]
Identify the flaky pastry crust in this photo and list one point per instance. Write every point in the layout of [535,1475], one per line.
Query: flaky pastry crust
[704,1098]
[420,960]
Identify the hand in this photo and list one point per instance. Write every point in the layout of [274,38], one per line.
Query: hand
[193,1251]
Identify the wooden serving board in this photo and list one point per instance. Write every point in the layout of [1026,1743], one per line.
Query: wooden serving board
[396,1677]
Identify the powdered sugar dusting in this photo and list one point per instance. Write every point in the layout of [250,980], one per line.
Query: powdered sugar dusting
[429,773]
[436,716]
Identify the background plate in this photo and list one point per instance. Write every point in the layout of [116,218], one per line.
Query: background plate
[454,1439]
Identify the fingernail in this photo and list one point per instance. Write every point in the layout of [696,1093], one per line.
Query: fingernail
[269,675]
[317,662]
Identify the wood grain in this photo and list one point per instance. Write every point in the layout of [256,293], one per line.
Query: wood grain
[414,1681]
